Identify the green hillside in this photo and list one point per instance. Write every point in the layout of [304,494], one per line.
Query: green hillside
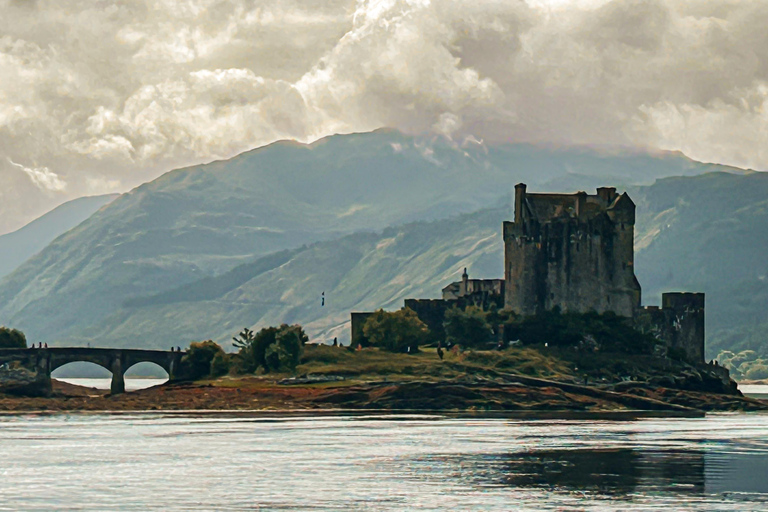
[159,265]
[19,246]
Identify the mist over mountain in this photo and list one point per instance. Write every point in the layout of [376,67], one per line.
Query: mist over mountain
[161,265]
[19,246]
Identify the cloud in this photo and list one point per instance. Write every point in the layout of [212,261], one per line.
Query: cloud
[114,93]
[42,177]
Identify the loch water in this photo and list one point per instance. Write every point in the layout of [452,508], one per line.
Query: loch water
[277,461]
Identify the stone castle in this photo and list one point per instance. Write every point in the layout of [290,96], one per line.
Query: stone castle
[574,252]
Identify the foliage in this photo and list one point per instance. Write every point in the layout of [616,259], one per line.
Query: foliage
[397,331]
[12,338]
[468,327]
[606,331]
[220,364]
[272,348]
[199,358]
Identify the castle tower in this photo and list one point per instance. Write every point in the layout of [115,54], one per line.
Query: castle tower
[571,251]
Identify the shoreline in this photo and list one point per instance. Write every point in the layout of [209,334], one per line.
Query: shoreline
[626,415]
[528,397]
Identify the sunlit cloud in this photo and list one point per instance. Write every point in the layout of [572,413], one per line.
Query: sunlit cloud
[117,93]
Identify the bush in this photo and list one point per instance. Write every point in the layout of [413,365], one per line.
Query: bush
[199,358]
[468,327]
[609,331]
[12,338]
[272,348]
[220,364]
[398,331]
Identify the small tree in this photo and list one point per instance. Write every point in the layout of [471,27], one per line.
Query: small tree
[397,331]
[468,327]
[12,338]
[272,348]
[219,364]
[199,357]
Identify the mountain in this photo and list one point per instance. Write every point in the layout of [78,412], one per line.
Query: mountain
[198,224]
[19,246]
[709,233]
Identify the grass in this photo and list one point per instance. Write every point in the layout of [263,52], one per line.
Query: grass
[374,364]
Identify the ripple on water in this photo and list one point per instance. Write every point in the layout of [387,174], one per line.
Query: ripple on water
[172,462]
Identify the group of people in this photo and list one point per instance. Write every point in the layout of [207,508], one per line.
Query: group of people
[41,345]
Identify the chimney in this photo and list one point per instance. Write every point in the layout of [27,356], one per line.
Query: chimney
[519,200]
[607,194]
[581,204]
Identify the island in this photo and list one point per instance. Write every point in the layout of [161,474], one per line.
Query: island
[564,331]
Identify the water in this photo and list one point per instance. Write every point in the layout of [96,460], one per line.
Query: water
[754,390]
[282,462]
[131,384]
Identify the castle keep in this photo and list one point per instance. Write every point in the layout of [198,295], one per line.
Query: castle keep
[574,252]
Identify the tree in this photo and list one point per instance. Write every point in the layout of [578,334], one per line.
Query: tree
[272,348]
[199,357]
[12,338]
[468,327]
[396,331]
[220,364]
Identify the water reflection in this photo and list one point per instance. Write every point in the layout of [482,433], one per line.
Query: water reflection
[616,471]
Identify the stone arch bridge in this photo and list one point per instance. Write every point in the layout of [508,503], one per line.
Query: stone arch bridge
[45,360]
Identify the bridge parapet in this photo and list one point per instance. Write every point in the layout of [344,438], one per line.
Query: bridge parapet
[116,360]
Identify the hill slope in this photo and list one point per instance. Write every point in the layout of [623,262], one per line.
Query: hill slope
[203,221]
[19,246]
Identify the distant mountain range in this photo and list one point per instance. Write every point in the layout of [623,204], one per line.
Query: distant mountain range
[366,218]
[19,246]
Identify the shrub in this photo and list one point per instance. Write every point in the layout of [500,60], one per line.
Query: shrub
[609,331]
[197,361]
[272,348]
[220,364]
[12,338]
[398,331]
[468,327]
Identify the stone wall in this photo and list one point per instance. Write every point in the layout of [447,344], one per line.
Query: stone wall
[679,324]
[356,326]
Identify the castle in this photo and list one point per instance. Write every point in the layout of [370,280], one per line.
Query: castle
[574,252]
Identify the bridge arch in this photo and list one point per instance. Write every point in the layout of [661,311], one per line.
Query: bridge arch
[81,369]
[147,369]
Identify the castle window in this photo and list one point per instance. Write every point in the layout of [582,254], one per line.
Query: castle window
[608,298]
[577,247]
[624,266]
[552,296]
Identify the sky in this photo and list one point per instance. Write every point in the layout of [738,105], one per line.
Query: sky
[99,96]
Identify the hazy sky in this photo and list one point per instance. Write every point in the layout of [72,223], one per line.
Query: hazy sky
[99,96]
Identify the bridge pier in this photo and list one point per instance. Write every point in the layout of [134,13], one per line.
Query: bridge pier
[118,377]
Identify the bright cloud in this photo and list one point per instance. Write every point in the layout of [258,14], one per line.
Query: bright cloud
[114,93]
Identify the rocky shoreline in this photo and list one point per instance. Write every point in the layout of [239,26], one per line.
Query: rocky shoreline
[525,394]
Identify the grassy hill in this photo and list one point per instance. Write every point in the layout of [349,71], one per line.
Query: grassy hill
[203,251]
